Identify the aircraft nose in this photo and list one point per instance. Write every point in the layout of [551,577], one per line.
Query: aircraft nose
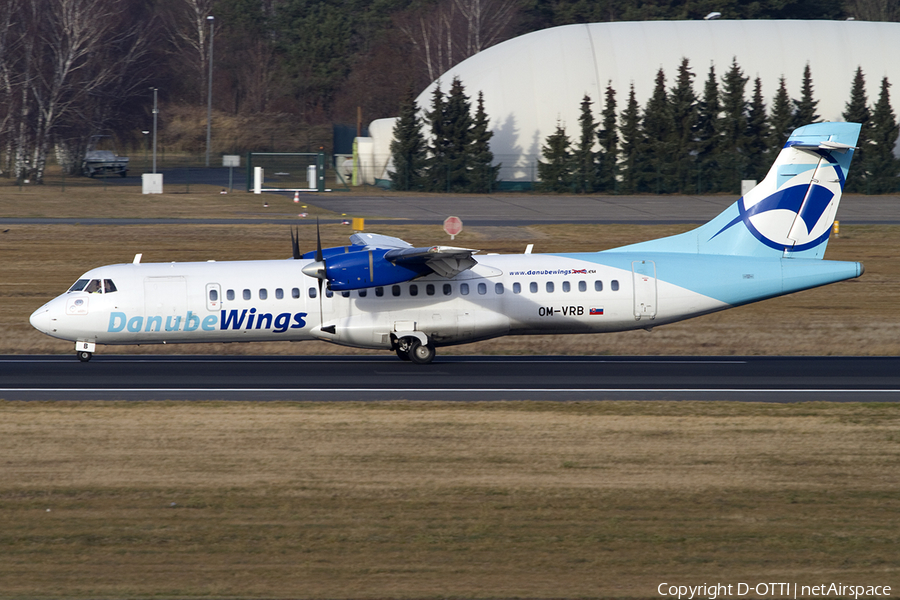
[40,319]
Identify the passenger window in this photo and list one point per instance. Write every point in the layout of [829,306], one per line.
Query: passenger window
[94,287]
[464,289]
[379,291]
[279,293]
[213,295]
[345,294]
[413,290]
[312,292]
[78,285]
[532,287]
[229,294]
[498,288]
[263,294]
[429,289]
[598,286]
[614,285]
[566,286]
[109,286]
[517,288]
[582,286]
[329,294]
[395,290]
[550,287]
[482,289]
[448,289]
[246,294]
[362,293]
[295,292]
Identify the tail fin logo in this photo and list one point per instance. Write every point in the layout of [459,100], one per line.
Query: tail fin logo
[796,217]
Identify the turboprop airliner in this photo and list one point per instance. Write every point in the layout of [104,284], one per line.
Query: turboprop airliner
[380,292]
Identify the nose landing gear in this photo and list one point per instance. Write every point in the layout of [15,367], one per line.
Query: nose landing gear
[84,350]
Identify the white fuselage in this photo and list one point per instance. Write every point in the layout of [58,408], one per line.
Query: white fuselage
[273,300]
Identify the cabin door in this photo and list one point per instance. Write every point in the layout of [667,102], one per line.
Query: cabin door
[644,277]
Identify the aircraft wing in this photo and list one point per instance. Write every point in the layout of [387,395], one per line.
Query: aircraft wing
[372,241]
[446,261]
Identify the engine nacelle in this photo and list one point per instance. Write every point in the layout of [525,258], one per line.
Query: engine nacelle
[358,270]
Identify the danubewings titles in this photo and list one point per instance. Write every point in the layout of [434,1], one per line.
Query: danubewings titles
[712,591]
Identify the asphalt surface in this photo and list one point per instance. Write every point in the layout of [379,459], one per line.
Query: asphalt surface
[759,379]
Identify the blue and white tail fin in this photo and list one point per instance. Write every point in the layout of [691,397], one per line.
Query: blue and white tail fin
[790,213]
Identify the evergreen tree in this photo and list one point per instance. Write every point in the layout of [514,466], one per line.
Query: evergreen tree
[584,174]
[630,134]
[708,135]
[408,147]
[656,140]
[556,173]
[458,136]
[806,106]
[483,176]
[757,135]
[781,120]
[857,111]
[733,129]
[683,108]
[881,162]
[608,138]
[436,166]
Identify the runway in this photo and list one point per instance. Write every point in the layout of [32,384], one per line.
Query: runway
[457,378]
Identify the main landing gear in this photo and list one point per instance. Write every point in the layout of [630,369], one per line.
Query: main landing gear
[84,356]
[412,349]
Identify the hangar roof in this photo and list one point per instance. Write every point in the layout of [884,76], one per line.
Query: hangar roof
[533,81]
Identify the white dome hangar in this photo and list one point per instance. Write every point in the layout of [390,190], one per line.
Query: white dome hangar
[533,81]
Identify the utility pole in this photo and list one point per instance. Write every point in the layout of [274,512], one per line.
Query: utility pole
[211,20]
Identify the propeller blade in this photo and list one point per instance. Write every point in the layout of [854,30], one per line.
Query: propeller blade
[318,242]
[295,244]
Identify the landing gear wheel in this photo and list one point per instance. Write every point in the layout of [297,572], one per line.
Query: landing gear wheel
[420,353]
[403,355]
[84,356]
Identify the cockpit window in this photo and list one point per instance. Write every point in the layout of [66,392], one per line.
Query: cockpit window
[79,285]
[94,287]
[109,286]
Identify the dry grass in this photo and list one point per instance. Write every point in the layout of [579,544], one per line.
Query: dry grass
[408,500]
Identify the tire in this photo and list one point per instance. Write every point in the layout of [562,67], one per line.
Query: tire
[84,356]
[402,355]
[421,354]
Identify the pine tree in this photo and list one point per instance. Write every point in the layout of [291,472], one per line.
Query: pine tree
[757,135]
[683,108]
[483,176]
[708,135]
[806,106]
[780,122]
[408,147]
[556,173]
[656,140]
[608,138]
[436,165]
[584,174]
[881,163]
[733,128]
[857,111]
[458,136]
[630,134]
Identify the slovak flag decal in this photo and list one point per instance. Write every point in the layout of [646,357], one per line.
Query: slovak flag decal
[596,311]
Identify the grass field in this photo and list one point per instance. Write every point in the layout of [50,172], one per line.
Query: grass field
[444,500]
